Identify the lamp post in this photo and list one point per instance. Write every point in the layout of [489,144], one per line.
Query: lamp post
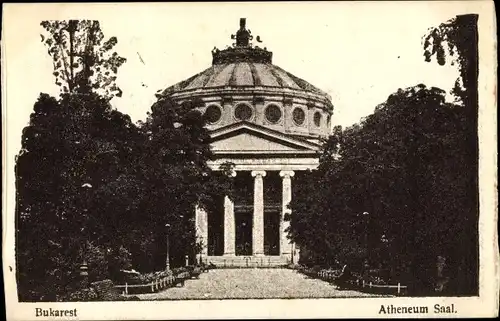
[385,259]
[84,274]
[86,188]
[167,260]
[366,217]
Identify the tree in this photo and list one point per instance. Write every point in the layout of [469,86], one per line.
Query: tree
[73,149]
[456,41]
[73,152]
[403,166]
[82,60]
[174,168]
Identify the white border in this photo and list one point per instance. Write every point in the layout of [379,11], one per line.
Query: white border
[483,306]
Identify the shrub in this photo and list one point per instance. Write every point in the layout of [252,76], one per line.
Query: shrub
[84,295]
[97,263]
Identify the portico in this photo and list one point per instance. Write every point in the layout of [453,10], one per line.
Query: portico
[251,223]
[258,229]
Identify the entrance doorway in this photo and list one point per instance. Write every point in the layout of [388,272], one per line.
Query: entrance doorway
[272,232]
[216,228]
[244,224]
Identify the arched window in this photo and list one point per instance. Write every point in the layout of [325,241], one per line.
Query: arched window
[317,118]
[299,116]
[273,114]
[213,114]
[243,112]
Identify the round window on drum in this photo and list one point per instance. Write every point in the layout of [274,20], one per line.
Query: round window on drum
[299,116]
[243,112]
[273,114]
[317,119]
[213,114]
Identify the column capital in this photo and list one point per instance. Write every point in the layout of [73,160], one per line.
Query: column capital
[258,173]
[287,173]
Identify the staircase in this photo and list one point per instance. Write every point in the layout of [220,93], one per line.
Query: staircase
[247,261]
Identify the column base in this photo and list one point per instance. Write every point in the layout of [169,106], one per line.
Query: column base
[287,250]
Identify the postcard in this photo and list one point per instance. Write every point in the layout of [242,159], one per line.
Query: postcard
[249,160]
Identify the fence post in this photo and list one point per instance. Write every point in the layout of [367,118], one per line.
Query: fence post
[152,287]
[399,288]
[363,282]
[224,262]
[126,288]
[370,285]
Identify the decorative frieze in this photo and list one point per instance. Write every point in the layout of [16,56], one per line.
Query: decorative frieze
[287,101]
[258,100]
[227,100]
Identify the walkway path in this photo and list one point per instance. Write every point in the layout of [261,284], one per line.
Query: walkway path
[252,284]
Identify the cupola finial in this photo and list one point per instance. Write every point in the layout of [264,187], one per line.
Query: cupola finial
[242,49]
[243,36]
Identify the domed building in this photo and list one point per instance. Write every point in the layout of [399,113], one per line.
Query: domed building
[268,123]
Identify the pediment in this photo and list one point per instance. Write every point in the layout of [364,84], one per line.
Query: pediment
[250,138]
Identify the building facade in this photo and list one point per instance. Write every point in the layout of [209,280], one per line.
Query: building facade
[267,123]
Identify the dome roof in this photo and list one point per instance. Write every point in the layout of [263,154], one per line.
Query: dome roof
[243,74]
[245,66]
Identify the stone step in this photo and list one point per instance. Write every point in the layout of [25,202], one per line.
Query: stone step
[246,261]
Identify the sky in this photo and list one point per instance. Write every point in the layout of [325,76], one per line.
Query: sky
[359,53]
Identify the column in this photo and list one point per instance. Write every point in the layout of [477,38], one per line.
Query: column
[201,218]
[229,240]
[286,245]
[258,213]
[229,225]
